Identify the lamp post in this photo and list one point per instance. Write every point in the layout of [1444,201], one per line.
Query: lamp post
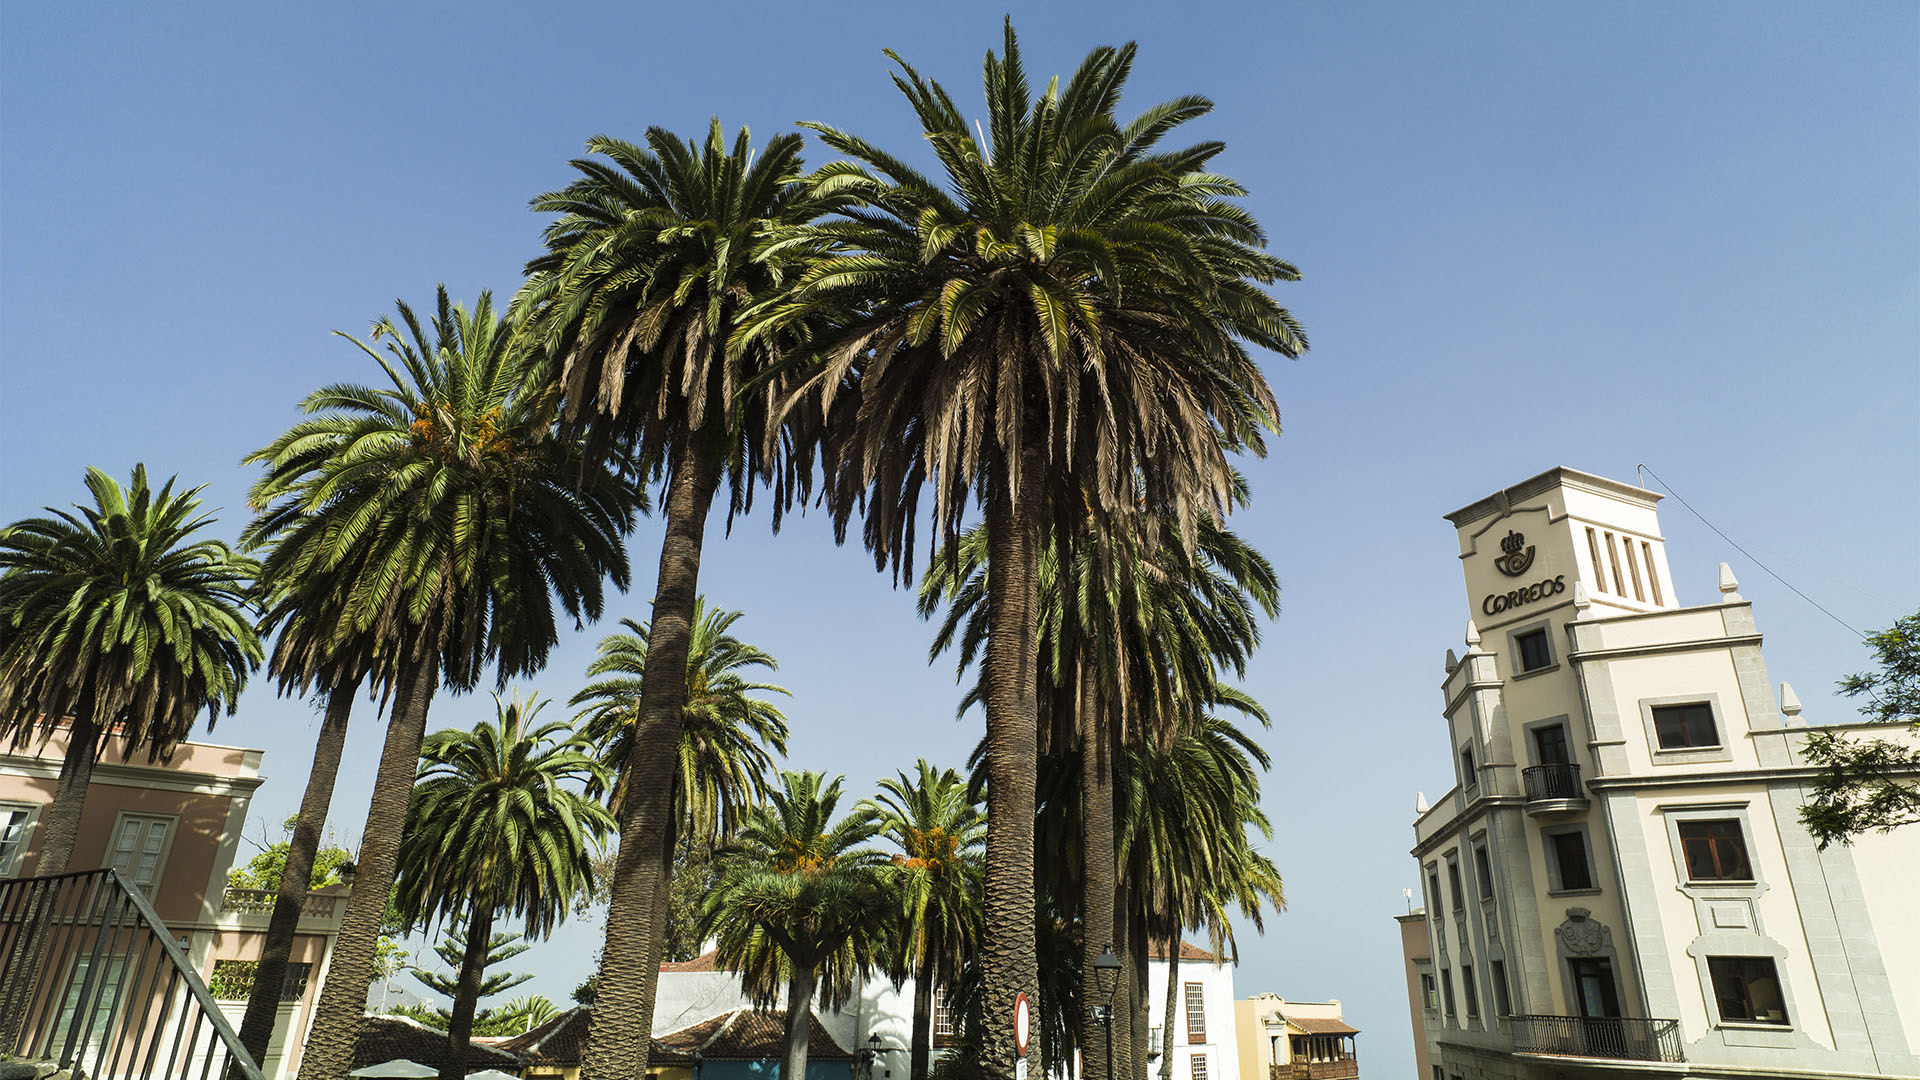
[1106,979]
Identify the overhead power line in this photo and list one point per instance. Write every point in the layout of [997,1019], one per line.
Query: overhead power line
[1750,555]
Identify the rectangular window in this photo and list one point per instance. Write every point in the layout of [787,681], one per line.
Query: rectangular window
[1446,990]
[1429,994]
[1599,572]
[1436,903]
[1715,850]
[1198,1066]
[1653,575]
[1467,988]
[1593,987]
[13,836]
[104,995]
[1483,869]
[1196,1014]
[1502,1005]
[1613,560]
[1469,776]
[942,1015]
[1633,569]
[140,850]
[1569,855]
[1747,989]
[1534,653]
[1453,880]
[1685,727]
[1550,745]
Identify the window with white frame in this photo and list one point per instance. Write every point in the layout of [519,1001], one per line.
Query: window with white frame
[139,849]
[1746,989]
[16,821]
[1196,1013]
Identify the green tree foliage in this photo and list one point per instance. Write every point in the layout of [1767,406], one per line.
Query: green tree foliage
[802,904]
[497,825]
[1871,784]
[264,869]
[123,621]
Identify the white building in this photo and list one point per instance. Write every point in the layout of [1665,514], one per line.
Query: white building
[1619,882]
[1204,1043]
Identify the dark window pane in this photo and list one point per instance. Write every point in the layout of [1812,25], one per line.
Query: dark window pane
[1500,1001]
[1747,989]
[1715,851]
[1570,853]
[1534,653]
[1468,774]
[1551,742]
[1682,727]
[1485,869]
[1453,879]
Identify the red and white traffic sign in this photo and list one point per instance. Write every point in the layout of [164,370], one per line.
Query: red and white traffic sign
[1022,1023]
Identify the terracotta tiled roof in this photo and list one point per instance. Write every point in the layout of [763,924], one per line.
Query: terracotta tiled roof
[1188,951]
[749,1035]
[384,1038]
[706,961]
[562,1041]
[1310,1026]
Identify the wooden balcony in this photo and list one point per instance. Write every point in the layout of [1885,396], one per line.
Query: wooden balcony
[1344,1069]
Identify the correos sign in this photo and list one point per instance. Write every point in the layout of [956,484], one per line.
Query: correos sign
[1517,559]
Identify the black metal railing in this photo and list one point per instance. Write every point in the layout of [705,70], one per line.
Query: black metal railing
[91,979]
[1548,782]
[1626,1038]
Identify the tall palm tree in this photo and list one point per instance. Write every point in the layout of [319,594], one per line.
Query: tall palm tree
[656,254]
[438,519]
[496,826]
[1066,323]
[801,901]
[937,824]
[1136,628]
[120,621]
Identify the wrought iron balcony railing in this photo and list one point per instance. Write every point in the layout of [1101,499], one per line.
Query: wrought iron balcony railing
[260,902]
[1625,1038]
[1554,783]
[91,979]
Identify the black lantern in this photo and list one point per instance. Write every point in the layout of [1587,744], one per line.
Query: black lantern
[1106,979]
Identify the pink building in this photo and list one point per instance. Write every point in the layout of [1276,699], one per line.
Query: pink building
[173,828]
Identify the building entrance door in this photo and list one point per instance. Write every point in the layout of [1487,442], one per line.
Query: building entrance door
[1551,744]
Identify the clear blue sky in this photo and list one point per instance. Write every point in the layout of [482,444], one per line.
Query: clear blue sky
[1591,235]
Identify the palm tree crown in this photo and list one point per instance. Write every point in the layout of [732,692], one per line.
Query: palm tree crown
[120,620]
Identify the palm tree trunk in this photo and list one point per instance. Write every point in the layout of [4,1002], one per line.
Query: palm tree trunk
[618,1038]
[1173,1003]
[1009,954]
[919,1061]
[799,1023]
[1097,878]
[263,1004]
[343,1000]
[466,992]
[60,828]
[1141,1035]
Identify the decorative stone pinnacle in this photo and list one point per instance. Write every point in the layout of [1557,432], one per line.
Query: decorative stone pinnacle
[1473,636]
[1790,703]
[1581,601]
[1729,585]
[1452,661]
[1420,802]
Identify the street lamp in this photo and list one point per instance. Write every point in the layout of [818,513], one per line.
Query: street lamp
[872,1053]
[1106,979]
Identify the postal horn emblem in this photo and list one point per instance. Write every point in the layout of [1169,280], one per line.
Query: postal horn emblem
[1515,561]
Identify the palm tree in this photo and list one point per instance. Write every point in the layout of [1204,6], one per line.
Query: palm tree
[802,902]
[494,826]
[1136,628]
[655,256]
[1067,324]
[434,521]
[120,622]
[937,824]
[1184,844]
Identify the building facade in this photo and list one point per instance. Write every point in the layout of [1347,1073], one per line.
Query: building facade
[173,828]
[1295,1040]
[1618,882]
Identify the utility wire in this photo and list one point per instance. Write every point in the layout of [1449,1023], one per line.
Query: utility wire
[1750,555]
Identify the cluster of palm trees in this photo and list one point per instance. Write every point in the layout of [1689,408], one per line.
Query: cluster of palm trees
[1057,336]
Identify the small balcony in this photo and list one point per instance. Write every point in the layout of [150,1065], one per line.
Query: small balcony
[1616,1038]
[260,902]
[1554,790]
[1343,1069]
